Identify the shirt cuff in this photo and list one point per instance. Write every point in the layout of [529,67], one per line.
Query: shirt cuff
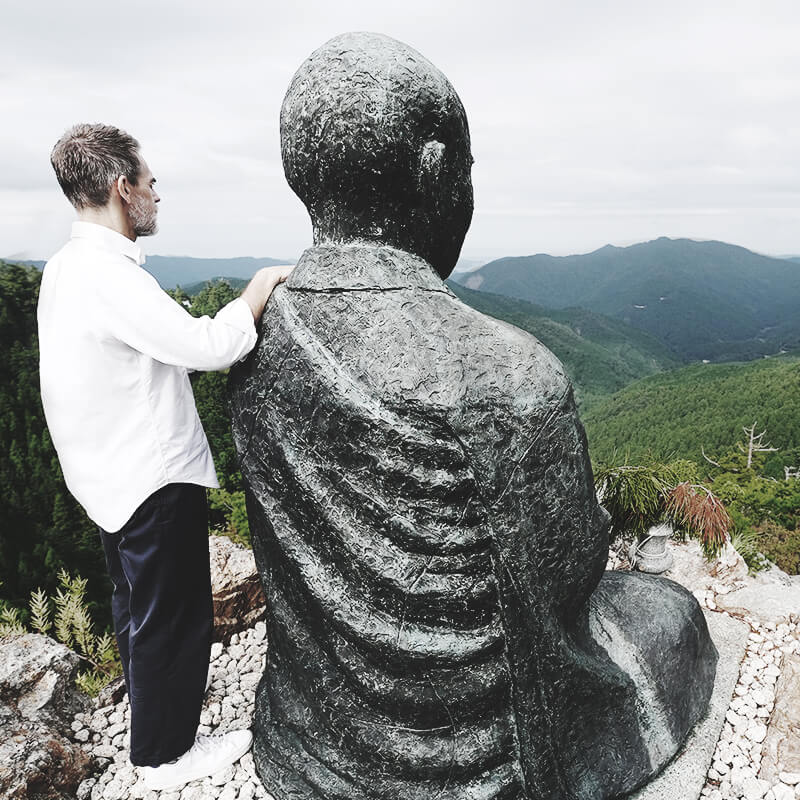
[238,315]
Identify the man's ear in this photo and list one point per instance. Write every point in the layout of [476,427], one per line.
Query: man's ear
[123,187]
[431,160]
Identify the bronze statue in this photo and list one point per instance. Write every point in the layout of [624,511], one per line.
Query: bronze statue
[420,497]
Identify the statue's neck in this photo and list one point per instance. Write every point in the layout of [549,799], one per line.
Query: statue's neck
[362,266]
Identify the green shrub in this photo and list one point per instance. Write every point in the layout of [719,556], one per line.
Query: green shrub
[68,617]
[781,545]
[229,515]
[638,496]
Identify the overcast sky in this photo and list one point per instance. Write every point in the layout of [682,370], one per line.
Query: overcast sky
[592,121]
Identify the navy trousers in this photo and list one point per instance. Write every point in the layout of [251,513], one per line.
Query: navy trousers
[163,618]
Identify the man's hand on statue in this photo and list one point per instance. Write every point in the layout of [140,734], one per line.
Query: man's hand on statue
[261,285]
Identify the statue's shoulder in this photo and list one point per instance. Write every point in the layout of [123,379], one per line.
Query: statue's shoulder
[519,365]
[414,341]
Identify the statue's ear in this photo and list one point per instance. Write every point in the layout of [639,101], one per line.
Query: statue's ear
[431,160]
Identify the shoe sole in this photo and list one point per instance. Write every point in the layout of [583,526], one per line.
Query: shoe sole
[235,756]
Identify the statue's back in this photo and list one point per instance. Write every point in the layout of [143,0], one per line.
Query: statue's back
[422,512]
[420,497]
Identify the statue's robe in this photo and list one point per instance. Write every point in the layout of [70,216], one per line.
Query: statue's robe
[424,519]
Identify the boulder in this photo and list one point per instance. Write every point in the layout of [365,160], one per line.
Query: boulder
[691,568]
[769,598]
[729,566]
[781,753]
[236,587]
[38,701]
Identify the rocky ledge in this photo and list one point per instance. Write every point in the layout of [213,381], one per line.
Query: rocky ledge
[757,756]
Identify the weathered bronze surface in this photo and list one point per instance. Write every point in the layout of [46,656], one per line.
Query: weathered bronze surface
[420,497]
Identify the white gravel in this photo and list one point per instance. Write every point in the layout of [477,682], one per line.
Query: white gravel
[236,670]
[235,673]
[737,759]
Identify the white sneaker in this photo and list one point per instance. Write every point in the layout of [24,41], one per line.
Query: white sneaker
[208,754]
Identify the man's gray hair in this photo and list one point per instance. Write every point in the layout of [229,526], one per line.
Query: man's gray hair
[88,159]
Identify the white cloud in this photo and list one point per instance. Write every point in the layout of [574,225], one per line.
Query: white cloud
[591,122]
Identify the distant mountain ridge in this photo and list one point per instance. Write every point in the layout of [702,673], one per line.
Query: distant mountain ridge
[172,271]
[703,300]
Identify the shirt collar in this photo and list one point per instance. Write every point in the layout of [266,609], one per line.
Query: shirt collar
[108,239]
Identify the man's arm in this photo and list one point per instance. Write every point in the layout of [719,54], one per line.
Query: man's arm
[139,313]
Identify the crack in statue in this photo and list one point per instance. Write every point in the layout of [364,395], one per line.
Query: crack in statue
[420,497]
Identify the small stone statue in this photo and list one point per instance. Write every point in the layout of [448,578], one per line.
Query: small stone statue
[420,497]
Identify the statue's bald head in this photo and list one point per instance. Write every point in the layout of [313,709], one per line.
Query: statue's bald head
[375,143]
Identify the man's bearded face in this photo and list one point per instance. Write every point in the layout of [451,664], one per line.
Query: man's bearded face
[142,208]
[143,214]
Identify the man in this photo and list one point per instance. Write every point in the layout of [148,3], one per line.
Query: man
[115,354]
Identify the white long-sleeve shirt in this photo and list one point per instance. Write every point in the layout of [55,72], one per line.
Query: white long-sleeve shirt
[115,351]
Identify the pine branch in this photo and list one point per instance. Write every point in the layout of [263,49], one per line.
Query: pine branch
[40,612]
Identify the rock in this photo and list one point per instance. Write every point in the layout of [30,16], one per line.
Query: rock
[781,751]
[790,778]
[37,676]
[729,567]
[116,717]
[689,568]
[247,792]
[236,587]
[104,751]
[763,696]
[259,632]
[783,792]
[739,775]
[754,789]
[769,598]
[195,791]
[38,703]
[113,693]
[222,777]
[229,793]
[756,733]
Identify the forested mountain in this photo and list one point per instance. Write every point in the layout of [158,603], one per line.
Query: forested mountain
[704,409]
[704,300]
[235,283]
[600,354]
[679,414]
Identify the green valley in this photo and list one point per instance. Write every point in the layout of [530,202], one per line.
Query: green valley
[681,413]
